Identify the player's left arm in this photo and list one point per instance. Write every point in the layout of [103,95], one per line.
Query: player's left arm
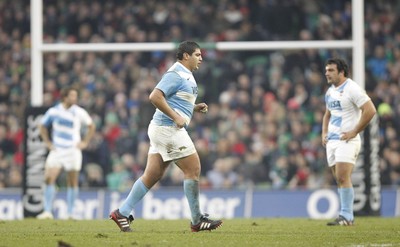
[91,129]
[368,111]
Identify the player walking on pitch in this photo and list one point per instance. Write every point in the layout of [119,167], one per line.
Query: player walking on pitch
[174,98]
[348,112]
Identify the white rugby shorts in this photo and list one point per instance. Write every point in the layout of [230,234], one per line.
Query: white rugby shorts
[68,158]
[342,151]
[170,142]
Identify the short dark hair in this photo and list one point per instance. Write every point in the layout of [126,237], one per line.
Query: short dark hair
[186,47]
[340,64]
[65,91]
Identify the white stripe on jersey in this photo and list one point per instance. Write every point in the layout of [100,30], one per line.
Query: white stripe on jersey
[186,96]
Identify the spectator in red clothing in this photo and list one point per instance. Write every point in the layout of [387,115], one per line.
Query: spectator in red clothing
[111,129]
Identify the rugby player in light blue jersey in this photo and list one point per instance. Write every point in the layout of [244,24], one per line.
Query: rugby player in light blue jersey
[348,112]
[174,98]
[66,120]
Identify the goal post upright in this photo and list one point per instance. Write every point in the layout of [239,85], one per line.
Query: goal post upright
[36,52]
[357,24]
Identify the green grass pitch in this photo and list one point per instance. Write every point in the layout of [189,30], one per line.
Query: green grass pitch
[368,231]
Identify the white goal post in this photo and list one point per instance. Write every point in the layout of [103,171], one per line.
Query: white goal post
[38,47]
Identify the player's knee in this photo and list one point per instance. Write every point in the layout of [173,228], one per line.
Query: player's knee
[342,180]
[49,180]
[150,180]
[193,173]
[197,172]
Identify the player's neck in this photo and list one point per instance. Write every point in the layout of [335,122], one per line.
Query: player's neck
[186,65]
[341,82]
[66,105]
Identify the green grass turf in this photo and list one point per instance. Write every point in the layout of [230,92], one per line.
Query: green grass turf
[368,231]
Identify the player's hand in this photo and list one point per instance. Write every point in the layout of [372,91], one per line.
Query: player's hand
[324,140]
[346,136]
[180,122]
[49,145]
[201,107]
[82,145]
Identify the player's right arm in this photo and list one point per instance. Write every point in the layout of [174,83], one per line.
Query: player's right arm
[44,133]
[325,123]
[43,128]
[157,98]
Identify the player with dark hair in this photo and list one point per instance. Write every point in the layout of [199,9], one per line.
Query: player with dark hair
[66,120]
[174,98]
[348,112]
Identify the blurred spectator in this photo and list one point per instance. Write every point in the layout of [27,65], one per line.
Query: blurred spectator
[280,173]
[125,142]
[378,63]
[6,144]
[119,179]
[98,152]
[14,178]
[94,177]
[131,165]
[222,175]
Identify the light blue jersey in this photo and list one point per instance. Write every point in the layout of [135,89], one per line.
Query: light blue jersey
[66,124]
[180,90]
[344,103]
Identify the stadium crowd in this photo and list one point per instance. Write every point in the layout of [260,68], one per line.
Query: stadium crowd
[265,107]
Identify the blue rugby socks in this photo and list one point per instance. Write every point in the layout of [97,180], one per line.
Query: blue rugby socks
[138,191]
[191,189]
[49,193]
[72,194]
[346,196]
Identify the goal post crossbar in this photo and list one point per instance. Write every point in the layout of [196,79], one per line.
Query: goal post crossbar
[223,46]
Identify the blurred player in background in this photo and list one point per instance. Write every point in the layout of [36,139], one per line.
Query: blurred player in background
[348,112]
[66,120]
[174,98]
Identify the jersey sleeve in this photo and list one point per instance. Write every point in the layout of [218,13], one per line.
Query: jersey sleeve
[85,117]
[47,118]
[359,96]
[169,83]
